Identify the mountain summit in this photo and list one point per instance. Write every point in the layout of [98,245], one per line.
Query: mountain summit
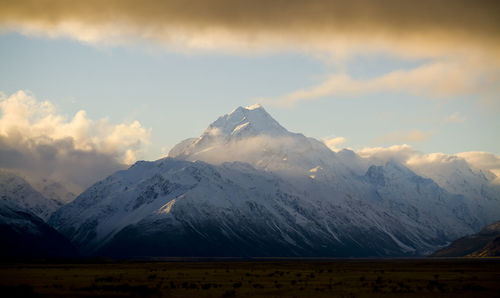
[249,187]
[251,122]
[253,136]
[245,122]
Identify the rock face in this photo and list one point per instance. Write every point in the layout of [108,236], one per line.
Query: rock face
[486,243]
[24,235]
[249,187]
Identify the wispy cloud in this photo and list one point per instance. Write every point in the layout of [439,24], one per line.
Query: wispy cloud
[435,80]
[35,139]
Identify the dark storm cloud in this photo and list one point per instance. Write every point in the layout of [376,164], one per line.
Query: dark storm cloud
[256,21]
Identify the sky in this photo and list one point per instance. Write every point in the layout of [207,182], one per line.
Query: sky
[99,84]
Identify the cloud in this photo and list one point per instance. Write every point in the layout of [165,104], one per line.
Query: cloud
[400,153]
[425,26]
[438,79]
[419,160]
[37,140]
[459,37]
[455,118]
[334,143]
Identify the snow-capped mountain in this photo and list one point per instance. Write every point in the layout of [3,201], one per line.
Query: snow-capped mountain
[451,172]
[456,176]
[251,135]
[18,191]
[166,207]
[249,187]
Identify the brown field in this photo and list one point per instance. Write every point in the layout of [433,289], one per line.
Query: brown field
[254,278]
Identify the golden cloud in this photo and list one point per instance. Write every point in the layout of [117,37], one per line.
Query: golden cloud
[38,141]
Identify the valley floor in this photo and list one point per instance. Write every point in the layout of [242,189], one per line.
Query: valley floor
[254,278]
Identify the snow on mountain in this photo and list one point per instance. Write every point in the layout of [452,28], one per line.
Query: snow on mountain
[456,176]
[421,199]
[174,207]
[451,172]
[251,135]
[18,191]
[249,187]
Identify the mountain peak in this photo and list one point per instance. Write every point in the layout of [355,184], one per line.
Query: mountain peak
[241,123]
[245,122]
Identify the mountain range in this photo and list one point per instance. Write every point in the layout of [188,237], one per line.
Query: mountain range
[249,187]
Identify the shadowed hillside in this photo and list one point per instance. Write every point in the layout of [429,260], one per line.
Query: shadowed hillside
[486,243]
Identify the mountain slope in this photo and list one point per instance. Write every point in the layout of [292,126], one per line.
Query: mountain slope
[421,200]
[486,243]
[492,249]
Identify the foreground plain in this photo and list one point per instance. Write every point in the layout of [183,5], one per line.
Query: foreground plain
[254,278]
